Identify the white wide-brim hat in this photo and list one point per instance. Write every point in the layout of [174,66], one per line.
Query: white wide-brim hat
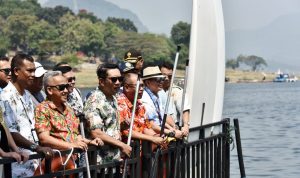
[152,72]
[39,69]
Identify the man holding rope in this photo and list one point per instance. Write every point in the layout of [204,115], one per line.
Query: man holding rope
[102,115]
[176,98]
[56,123]
[153,80]
[141,127]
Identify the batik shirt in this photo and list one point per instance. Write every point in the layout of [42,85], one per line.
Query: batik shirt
[75,102]
[103,114]
[61,125]
[18,116]
[125,110]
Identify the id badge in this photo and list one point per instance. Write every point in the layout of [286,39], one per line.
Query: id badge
[34,135]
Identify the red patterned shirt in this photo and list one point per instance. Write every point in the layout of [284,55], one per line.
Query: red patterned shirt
[125,109]
[63,126]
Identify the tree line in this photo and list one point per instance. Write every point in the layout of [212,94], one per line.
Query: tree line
[252,61]
[28,27]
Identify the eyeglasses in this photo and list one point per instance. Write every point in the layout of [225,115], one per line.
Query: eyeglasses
[61,87]
[6,71]
[70,79]
[134,85]
[114,79]
[160,79]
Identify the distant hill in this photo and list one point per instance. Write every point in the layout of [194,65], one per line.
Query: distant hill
[278,43]
[101,8]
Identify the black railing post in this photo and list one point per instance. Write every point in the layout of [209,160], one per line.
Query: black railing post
[226,147]
[239,147]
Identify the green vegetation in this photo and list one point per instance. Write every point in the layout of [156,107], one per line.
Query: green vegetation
[254,62]
[27,27]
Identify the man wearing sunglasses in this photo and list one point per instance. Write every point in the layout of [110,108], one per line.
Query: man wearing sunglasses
[176,98]
[141,127]
[74,97]
[153,80]
[5,72]
[19,113]
[56,123]
[102,115]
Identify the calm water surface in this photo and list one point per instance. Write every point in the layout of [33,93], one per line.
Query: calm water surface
[270,127]
[269,120]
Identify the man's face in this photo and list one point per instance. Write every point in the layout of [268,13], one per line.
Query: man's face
[5,73]
[25,73]
[37,83]
[155,84]
[70,76]
[168,74]
[111,84]
[57,89]
[130,86]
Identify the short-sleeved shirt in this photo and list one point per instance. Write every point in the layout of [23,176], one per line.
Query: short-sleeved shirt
[74,100]
[61,125]
[154,106]
[102,114]
[18,116]
[174,108]
[125,110]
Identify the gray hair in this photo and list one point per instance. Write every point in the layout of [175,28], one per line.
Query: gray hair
[48,75]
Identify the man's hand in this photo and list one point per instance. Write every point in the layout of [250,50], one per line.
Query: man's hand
[96,142]
[47,151]
[126,149]
[79,143]
[178,134]
[14,155]
[185,130]
[158,140]
[24,156]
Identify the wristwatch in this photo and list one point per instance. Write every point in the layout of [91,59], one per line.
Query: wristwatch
[33,147]
[171,134]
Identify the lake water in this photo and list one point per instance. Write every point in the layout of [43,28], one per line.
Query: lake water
[269,120]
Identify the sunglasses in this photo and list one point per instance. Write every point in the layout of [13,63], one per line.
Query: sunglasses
[71,79]
[160,79]
[6,71]
[114,79]
[134,85]
[61,87]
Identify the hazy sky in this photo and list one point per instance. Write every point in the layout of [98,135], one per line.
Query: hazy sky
[160,15]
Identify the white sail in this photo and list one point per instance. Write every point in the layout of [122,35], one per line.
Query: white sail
[207,62]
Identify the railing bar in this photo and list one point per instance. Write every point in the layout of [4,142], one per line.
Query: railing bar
[202,159]
[211,165]
[188,168]
[193,161]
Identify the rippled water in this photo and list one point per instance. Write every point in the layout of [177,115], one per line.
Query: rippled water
[269,120]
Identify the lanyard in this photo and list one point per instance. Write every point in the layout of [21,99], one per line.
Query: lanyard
[32,129]
[156,105]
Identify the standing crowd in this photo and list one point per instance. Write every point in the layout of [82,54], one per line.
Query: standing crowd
[40,110]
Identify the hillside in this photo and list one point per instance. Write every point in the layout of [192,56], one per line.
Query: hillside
[278,43]
[102,9]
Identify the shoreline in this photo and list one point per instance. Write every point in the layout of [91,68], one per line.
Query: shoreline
[87,78]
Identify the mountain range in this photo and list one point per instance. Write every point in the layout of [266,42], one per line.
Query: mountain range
[278,43]
[100,8]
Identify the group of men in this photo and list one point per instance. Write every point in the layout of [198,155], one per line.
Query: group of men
[36,120]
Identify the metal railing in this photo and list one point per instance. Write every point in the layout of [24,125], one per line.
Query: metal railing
[206,157]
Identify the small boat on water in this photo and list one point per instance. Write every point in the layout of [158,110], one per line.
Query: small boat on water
[284,77]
